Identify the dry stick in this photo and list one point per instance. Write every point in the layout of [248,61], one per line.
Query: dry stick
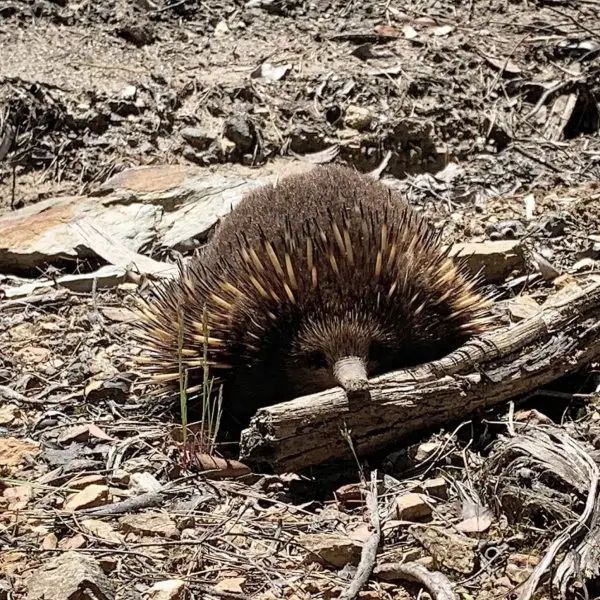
[438,585]
[482,374]
[368,556]
[126,506]
[585,559]
[527,589]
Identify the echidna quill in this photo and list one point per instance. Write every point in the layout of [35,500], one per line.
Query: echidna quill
[324,279]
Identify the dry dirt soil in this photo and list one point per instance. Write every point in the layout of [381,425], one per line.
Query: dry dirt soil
[475,107]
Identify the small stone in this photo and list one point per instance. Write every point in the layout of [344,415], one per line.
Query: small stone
[102,530]
[170,589]
[18,497]
[239,129]
[358,117]
[351,493]
[70,576]
[519,567]
[150,524]
[361,533]
[144,483]
[89,497]
[221,29]
[33,355]
[83,482]
[456,552]
[425,451]
[197,137]
[50,542]
[129,92]
[413,506]
[504,582]
[120,477]
[437,488]
[331,549]
[497,260]
[73,543]
[9,413]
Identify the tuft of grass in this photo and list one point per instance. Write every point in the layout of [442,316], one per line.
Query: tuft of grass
[211,411]
[211,405]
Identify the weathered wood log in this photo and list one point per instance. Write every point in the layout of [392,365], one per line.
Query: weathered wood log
[484,373]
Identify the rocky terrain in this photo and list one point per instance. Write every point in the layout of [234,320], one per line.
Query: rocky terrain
[127,130]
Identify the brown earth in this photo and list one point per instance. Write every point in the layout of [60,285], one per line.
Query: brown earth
[475,108]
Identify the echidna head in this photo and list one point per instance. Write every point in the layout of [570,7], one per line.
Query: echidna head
[338,351]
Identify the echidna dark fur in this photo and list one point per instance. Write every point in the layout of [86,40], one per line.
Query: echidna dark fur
[326,278]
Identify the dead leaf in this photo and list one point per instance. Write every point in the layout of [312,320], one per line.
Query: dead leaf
[410,33]
[270,72]
[442,30]
[477,524]
[89,497]
[118,314]
[548,271]
[96,432]
[221,467]
[523,307]
[231,586]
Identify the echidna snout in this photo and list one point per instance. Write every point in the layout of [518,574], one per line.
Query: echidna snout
[351,373]
[344,350]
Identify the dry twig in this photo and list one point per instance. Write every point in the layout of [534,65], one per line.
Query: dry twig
[437,584]
[368,555]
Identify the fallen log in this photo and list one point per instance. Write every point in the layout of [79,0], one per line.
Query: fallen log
[487,371]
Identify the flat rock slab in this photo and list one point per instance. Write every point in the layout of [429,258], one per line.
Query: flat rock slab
[46,232]
[164,206]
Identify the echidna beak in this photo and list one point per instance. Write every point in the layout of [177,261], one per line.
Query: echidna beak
[351,374]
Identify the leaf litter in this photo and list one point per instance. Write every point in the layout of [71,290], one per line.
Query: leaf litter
[484,115]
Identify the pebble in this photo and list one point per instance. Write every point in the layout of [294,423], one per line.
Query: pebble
[413,506]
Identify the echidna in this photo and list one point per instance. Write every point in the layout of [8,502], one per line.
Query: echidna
[323,279]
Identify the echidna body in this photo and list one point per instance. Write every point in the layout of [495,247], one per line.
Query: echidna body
[323,279]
